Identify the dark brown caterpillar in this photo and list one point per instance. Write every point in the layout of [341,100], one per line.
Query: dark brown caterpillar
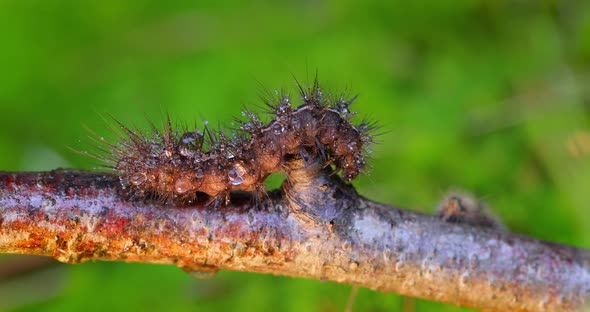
[179,164]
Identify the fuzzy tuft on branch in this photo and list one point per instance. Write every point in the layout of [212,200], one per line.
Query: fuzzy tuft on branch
[316,227]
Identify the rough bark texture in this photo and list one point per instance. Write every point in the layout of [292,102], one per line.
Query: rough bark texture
[316,227]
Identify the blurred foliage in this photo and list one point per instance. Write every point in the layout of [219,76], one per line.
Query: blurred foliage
[489,96]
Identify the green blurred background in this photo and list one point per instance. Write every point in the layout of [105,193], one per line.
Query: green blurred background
[487,96]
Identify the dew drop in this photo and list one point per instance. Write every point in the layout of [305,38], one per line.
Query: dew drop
[236,174]
[200,174]
[184,151]
[182,185]
[278,129]
[190,142]
[187,138]
[285,108]
[137,179]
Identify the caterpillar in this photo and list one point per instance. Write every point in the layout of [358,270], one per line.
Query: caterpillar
[462,207]
[187,164]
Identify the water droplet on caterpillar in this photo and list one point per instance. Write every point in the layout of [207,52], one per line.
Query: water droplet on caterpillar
[185,151]
[137,179]
[200,173]
[190,138]
[182,185]
[236,174]
[278,129]
[190,142]
[284,108]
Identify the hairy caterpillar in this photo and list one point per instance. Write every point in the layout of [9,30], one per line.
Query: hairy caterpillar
[185,164]
[462,207]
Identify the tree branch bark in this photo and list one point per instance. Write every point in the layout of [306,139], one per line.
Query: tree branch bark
[315,227]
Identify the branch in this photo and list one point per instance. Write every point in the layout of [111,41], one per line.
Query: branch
[315,227]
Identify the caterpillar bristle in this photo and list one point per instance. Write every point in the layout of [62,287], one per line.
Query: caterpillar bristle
[252,125]
[260,195]
[342,105]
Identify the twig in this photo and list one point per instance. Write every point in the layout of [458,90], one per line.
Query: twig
[316,227]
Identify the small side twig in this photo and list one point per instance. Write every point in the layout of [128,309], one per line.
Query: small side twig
[317,227]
